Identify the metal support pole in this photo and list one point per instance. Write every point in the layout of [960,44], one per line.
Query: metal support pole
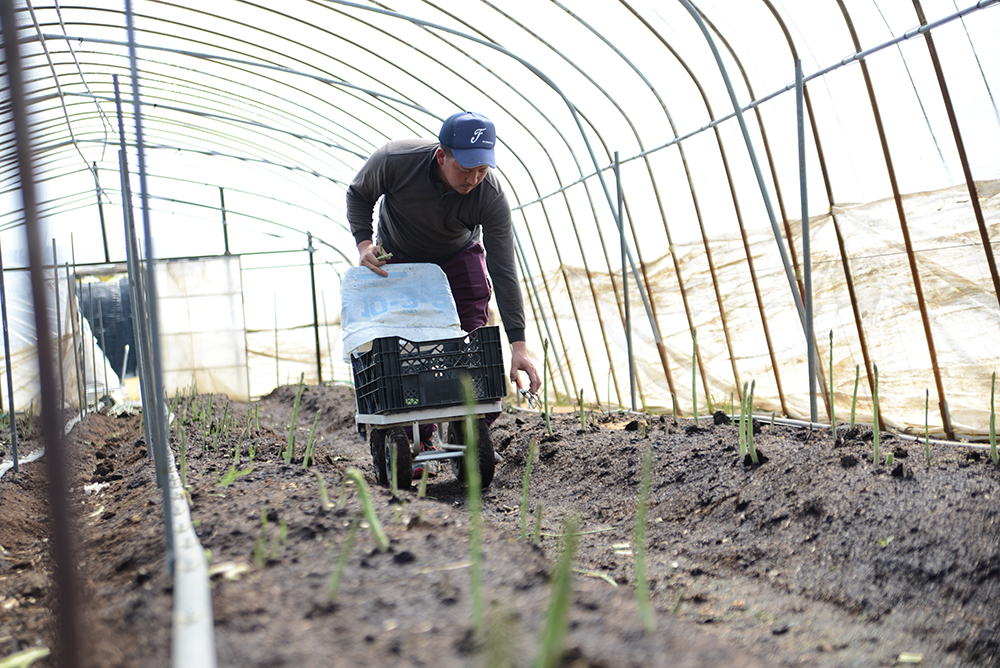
[100,211]
[63,547]
[59,344]
[225,225]
[628,312]
[75,308]
[326,327]
[7,363]
[533,291]
[312,279]
[78,351]
[738,112]
[806,257]
[104,349]
[136,292]
[93,339]
[158,416]
[140,328]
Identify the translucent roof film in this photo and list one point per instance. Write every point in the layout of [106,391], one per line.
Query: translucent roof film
[856,214]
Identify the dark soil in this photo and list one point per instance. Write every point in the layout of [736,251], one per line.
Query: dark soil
[816,557]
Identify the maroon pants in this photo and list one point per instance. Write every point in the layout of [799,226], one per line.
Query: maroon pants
[470,286]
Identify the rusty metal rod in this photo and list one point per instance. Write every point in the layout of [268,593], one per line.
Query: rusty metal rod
[904,228]
[723,320]
[775,367]
[796,296]
[63,539]
[970,182]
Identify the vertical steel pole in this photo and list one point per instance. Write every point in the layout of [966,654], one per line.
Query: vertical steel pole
[137,291]
[738,111]
[312,279]
[81,378]
[628,312]
[806,258]
[326,327]
[225,225]
[137,294]
[158,414]
[83,348]
[100,321]
[59,345]
[93,339]
[71,289]
[100,211]
[7,363]
[67,651]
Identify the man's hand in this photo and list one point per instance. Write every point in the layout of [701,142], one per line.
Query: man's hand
[373,257]
[521,361]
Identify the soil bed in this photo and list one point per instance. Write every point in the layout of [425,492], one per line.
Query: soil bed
[817,557]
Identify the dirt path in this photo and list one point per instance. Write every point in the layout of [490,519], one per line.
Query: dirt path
[817,557]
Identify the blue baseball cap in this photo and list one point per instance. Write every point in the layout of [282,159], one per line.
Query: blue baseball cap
[471,138]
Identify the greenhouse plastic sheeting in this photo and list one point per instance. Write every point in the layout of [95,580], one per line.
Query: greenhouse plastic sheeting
[202,330]
[962,311]
[98,378]
[255,117]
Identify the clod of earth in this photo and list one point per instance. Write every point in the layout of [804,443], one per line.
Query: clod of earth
[788,563]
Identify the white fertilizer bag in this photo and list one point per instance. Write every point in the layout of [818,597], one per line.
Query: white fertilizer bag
[413,302]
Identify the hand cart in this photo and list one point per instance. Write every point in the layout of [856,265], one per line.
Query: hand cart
[401,383]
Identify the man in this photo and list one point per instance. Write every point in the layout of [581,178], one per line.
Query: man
[436,196]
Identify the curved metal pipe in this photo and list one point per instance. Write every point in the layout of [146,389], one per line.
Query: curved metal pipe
[775,367]
[824,171]
[760,178]
[63,538]
[904,228]
[970,182]
[723,319]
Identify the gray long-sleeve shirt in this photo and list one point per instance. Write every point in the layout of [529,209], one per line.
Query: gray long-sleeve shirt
[421,220]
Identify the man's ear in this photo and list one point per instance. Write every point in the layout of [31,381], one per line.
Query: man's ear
[440,155]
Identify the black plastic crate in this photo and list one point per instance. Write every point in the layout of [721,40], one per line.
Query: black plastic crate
[401,375]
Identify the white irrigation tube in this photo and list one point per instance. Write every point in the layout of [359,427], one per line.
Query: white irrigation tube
[193,636]
[6,466]
[791,422]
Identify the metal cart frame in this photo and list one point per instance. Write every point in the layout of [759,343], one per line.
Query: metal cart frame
[386,434]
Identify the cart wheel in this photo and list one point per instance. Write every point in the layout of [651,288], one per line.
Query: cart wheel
[397,445]
[376,437]
[487,460]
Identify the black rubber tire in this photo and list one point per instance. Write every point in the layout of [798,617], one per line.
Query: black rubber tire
[376,439]
[397,445]
[487,459]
